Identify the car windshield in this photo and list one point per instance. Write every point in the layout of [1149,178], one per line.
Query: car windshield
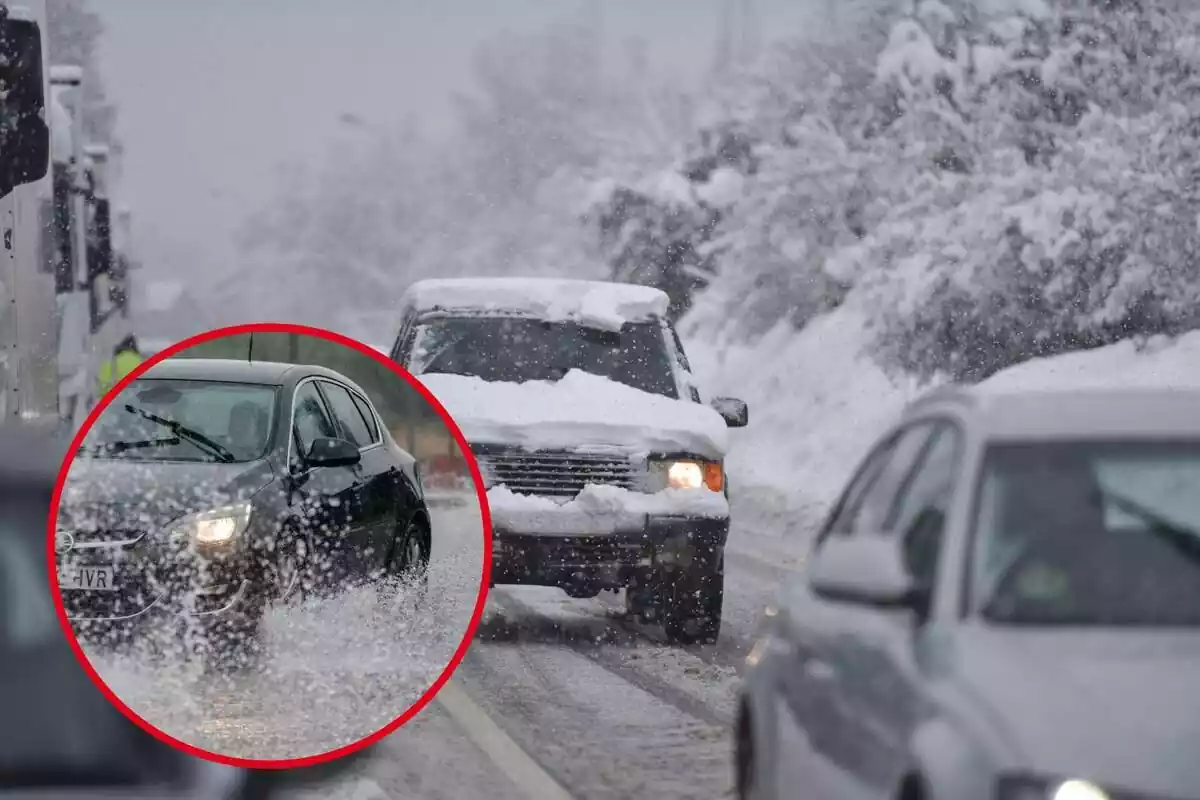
[516,349]
[1094,534]
[185,420]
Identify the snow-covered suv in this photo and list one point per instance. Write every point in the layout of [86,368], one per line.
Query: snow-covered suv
[604,467]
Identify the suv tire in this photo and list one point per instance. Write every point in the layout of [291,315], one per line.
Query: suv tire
[693,600]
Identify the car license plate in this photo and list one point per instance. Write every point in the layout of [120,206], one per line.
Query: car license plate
[86,579]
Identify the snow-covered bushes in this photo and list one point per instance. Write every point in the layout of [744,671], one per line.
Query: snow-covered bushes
[1003,188]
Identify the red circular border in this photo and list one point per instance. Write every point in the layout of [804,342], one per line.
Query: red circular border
[480,602]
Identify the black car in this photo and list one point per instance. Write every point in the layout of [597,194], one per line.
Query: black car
[211,489]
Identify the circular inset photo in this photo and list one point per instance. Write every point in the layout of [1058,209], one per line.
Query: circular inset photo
[271,545]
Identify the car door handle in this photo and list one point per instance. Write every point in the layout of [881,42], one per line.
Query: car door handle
[819,670]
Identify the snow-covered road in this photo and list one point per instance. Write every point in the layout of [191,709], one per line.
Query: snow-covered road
[565,698]
[337,669]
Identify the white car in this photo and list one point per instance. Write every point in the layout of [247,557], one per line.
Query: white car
[604,467]
[1004,604]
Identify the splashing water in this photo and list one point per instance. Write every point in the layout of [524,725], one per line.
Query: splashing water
[334,670]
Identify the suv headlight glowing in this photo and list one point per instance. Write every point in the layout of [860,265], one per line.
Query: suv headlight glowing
[216,527]
[686,473]
[1030,788]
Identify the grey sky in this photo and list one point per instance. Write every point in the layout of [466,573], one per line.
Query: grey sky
[214,94]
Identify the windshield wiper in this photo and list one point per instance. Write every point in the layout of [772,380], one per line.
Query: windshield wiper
[1183,538]
[121,447]
[187,434]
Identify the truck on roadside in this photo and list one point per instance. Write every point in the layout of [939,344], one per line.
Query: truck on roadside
[64,298]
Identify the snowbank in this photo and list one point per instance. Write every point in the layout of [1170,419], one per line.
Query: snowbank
[580,409]
[593,303]
[817,402]
[598,510]
[1158,363]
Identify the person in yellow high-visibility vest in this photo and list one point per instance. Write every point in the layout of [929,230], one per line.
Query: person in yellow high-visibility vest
[126,358]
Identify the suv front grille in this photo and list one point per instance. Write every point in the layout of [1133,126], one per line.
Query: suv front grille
[556,473]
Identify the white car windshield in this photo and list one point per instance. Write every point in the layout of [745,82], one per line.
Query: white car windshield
[1089,534]
[517,349]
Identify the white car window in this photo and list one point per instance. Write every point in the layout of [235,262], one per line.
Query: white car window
[28,615]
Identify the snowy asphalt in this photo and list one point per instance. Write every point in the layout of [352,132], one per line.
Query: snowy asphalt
[562,698]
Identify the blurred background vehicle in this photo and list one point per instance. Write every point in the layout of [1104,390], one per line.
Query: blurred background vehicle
[1002,566]
[67,258]
[59,736]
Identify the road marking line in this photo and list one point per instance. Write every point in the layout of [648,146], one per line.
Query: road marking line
[783,564]
[525,773]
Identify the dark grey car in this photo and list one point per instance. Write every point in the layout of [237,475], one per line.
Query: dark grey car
[60,739]
[1004,604]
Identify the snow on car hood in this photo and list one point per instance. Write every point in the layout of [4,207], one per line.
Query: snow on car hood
[578,410]
[1118,707]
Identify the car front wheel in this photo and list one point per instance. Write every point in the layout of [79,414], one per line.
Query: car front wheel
[412,560]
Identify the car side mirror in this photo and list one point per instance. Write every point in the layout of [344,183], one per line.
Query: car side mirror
[328,451]
[864,569]
[735,412]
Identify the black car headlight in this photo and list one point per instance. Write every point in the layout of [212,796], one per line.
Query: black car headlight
[685,473]
[214,528]
[1027,787]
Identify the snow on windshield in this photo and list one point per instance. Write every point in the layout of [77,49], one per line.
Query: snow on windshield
[607,306]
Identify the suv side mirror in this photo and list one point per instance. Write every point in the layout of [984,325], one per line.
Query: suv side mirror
[332,452]
[24,136]
[735,412]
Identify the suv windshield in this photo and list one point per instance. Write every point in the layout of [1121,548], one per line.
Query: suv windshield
[185,420]
[1089,534]
[517,349]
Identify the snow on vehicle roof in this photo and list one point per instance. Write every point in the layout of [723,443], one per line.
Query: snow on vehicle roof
[1160,363]
[1117,390]
[597,304]
[579,410]
[21,13]
[61,142]
[66,73]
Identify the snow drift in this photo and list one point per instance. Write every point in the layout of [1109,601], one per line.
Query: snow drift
[822,403]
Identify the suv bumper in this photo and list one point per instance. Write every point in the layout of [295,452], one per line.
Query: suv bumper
[623,556]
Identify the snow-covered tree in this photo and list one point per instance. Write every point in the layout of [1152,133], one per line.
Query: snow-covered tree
[73,33]
[999,186]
